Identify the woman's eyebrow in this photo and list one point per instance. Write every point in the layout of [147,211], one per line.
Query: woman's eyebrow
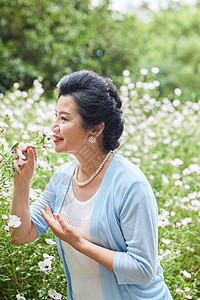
[62,112]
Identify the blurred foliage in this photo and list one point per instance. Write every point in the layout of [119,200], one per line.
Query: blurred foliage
[47,39]
[52,38]
[172,43]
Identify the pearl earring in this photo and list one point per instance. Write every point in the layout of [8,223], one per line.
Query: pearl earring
[91,139]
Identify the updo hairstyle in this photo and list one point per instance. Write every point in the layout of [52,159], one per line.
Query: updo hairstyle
[98,101]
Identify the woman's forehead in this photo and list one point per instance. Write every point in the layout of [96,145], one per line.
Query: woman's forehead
[66,103]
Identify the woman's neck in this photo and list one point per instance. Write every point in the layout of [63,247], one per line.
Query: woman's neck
[89,159]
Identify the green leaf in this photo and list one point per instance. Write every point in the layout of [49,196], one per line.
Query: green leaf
[14,146]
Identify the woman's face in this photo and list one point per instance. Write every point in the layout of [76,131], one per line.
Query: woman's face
[68,132]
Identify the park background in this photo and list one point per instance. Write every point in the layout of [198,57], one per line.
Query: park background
[151,51]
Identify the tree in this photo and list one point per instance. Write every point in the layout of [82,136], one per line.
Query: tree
[49,38]
[173,45]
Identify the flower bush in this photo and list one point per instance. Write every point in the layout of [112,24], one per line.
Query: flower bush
[161,137]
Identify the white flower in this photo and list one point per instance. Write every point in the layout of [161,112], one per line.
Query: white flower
[46,131]
[43,164]
[155,70]
[187,187]
[195,203]
[26,136]
[131,86]
[3,126]
[20,297]
[179,291]
[45,255]
[144,71]
[8,113]
[139,84]
[178,92]
[156,84]
[194,168]
[190,249]
[192,196]
[133,94]
[23,147]
[4,217]
[195,106]
[14,221]
[175,144]
[126,73]
[185,199]
[178,183]
[186,274]
[124,90]
[186,171]
[178,224]
[186,221]
[20,162]
[165,180]
[127,80]
[164,253]
[24,94]
[60,160]
[176,162]
[187,289]
[176,102]
[188,297]
[16,85]
[166,241]
[176,176]
[54,295]
[167,140]
[50,241]
[168,203]
[20,154]
[163,219]
[45,265]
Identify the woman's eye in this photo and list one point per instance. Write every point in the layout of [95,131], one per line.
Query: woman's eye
[63,119]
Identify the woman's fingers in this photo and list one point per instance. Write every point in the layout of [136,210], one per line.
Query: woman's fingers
[31,157]
[61,228]
[35,155]
[62,222]
[49,212]
[48,216]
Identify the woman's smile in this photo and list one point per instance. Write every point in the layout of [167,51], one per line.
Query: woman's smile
[57,139]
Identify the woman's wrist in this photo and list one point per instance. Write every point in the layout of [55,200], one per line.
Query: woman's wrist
[19,180]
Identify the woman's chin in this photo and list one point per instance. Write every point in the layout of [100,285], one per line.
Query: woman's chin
[57,150]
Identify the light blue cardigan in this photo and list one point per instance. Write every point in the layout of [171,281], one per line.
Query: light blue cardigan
[124,219]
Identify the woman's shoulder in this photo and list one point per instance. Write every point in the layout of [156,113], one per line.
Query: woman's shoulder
[125,170]
[65,170]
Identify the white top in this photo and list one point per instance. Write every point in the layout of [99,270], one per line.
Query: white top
[84,271]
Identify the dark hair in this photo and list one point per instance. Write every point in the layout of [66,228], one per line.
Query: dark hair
[98,101]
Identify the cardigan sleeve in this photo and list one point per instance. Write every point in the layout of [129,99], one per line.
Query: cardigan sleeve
[138,220]
[46,197]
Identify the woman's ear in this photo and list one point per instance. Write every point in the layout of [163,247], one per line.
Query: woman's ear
[98,129]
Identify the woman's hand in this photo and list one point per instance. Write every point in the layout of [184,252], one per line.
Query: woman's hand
[25,167]
[67,233]
[62,229]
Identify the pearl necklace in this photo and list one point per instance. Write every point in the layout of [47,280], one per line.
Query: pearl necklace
[95,173]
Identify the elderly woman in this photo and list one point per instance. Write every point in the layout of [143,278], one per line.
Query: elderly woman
[100,206]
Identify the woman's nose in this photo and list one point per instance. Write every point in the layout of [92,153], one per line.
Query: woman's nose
[54,127]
